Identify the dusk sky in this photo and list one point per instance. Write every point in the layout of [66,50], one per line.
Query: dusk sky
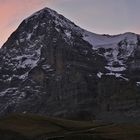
[99,16]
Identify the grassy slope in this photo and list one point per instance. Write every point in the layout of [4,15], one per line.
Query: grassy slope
[35,126]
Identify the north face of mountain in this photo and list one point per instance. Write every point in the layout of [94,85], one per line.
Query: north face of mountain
[51,66]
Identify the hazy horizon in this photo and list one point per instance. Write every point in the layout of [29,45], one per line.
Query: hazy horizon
[98,16]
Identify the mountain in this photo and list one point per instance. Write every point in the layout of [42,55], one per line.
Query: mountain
[51,66]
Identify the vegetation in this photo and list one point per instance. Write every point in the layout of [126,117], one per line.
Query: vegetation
[36,127]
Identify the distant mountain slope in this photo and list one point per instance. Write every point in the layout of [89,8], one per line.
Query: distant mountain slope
[51,66]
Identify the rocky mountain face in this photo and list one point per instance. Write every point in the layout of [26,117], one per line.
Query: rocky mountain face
[51,66]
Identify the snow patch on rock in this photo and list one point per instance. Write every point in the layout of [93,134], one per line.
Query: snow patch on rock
[99,74]
[115,69]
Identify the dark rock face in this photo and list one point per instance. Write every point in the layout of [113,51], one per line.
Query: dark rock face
[50,66]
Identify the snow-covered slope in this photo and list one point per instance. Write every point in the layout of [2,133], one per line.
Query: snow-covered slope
[116,49]
[106,41]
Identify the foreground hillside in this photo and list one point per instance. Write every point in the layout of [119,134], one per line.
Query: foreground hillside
[35,127]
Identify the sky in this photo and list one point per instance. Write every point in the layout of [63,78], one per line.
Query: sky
[98,16]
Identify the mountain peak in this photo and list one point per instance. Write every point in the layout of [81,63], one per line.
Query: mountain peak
[48,15]
[42,23]
[46,11]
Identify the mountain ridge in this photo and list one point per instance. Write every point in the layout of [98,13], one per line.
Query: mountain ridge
[53,11]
